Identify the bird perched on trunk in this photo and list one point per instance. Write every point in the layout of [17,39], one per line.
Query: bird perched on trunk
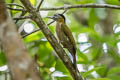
[65,35]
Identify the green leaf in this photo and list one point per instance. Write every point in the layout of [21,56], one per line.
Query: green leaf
[84,1]
[33,2]
[113,2]
[102,70]
[82,58]
[114,77]
[95,53]
[93,19]
[50,61]
[101,79]
[90,71]
[33,37]
[64,78]
[114,70]
[43,52]
[60,67]
[2,59]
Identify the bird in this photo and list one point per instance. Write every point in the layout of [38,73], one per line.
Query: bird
[64,35]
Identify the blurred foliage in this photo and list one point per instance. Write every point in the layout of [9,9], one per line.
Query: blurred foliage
[2,59]
[105,60]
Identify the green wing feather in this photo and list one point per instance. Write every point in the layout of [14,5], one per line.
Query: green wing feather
[68,33]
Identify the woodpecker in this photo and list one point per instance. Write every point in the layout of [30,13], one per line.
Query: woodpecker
[65,35]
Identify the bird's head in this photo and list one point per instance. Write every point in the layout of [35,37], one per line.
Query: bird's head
[58,17]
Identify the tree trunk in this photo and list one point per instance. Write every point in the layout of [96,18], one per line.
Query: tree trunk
[21,66]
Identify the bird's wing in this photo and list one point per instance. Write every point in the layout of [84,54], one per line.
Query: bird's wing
[68,33]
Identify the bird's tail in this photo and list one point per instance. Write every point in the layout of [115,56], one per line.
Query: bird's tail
[73,53]
[74,61]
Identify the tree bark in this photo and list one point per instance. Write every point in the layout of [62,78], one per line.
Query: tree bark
[21,66]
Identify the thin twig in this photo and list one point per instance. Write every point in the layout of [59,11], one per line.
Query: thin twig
[75,6]
[6,77]
[38,8]
[16,9]
[14,4]
[23,36]
[11,12]
[22,17]
[82,6]
[64,11]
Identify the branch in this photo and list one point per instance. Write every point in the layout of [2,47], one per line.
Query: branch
[75,6]
[36,17]
[22,17]
[14,4]
[38,8]
[82,6]
[6,76]
[16,9]
[23,36]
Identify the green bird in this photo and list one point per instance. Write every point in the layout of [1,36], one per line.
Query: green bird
[65,35]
